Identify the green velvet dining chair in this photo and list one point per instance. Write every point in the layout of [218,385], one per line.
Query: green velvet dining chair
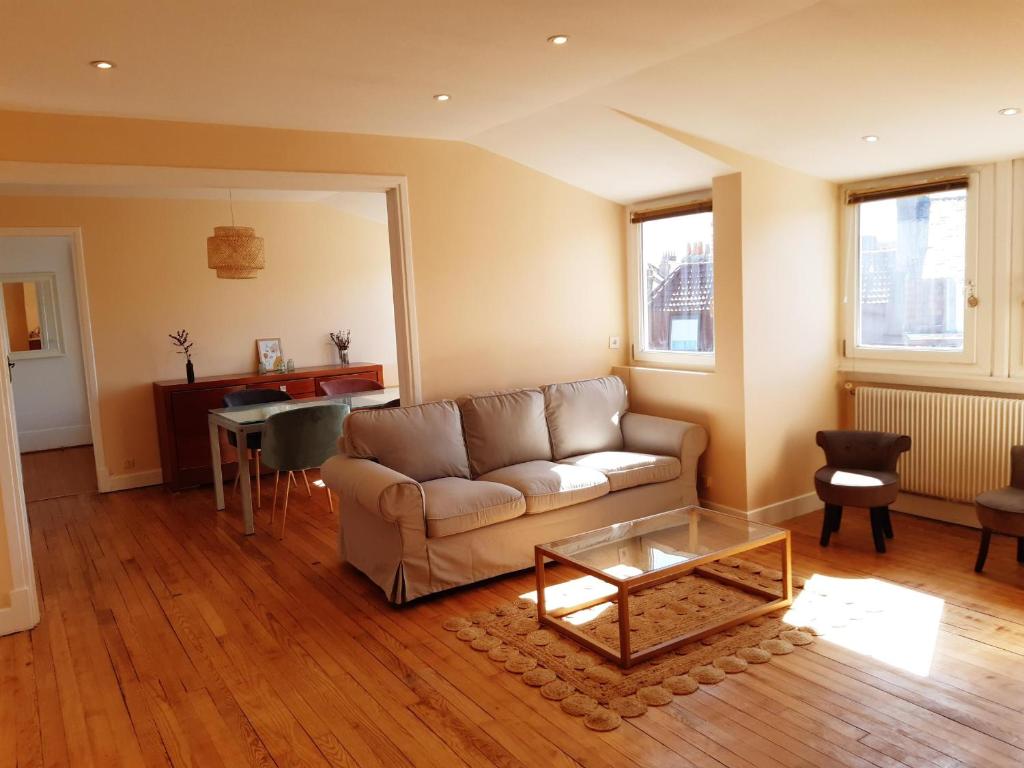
[300,439]
[253,441]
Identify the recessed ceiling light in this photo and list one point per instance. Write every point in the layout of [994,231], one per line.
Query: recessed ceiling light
[101,64]
[870,138]
[441,97]
[558,39]
[1009,111]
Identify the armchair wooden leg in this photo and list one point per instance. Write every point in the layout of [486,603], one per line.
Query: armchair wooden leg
[330,500]
[887,523]
[878,528]
[1020,549]
[986,537]
[273,506]
[837,519]
[829,523]
[234,486]
[308,491]
[284,512]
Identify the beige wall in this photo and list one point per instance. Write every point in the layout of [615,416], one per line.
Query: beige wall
[789,330]
[714,399]
[519,277]
[774,384]
[145,263]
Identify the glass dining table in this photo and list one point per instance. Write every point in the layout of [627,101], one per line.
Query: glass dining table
[245,420]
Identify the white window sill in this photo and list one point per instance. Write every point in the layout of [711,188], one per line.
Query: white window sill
[642,365]
[937,380]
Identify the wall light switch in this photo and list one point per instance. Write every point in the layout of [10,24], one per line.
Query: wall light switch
[614,342]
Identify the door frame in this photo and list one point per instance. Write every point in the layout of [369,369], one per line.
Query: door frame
[74,236]
[24,610]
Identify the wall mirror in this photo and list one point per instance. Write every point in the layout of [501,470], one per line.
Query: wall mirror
[33,315]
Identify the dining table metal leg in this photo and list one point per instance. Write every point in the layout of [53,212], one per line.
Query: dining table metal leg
[243,470]
[218,474]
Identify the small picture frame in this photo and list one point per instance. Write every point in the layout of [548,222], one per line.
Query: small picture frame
[269,354]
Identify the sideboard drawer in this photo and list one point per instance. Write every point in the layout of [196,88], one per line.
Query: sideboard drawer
[294,387]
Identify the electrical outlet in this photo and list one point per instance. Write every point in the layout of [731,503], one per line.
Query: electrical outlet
[129,463]
[614,342]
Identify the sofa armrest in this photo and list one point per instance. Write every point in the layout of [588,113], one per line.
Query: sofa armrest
[374,487]
[664,437]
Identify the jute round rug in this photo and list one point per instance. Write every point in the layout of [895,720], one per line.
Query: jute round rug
[588,686]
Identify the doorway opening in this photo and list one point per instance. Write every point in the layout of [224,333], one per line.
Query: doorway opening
[390,208]
[46,364]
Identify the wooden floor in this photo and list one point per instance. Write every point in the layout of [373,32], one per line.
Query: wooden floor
[168,638]
[61,472]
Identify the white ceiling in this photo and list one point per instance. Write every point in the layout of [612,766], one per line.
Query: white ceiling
[794,81]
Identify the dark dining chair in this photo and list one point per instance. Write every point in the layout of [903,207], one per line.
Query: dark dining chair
[253,443]
[1002,510]
[301,439]
[349,385]
[860,471]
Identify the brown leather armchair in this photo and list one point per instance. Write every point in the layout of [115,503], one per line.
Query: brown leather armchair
[1002,510]
[860,472]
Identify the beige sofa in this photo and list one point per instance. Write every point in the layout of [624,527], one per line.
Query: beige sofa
[447,493]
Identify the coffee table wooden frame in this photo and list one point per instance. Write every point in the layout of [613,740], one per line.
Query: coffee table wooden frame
[625,657]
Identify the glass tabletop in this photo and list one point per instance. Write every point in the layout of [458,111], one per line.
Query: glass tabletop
[257,414]
[637,547]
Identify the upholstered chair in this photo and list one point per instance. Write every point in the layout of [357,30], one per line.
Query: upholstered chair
[349,385]
[860,471]
[244,397]
[1002,510]
[301,439]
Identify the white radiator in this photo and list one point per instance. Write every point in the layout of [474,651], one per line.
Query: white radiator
[961,443]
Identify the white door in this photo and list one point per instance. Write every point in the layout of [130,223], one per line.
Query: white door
[50,398]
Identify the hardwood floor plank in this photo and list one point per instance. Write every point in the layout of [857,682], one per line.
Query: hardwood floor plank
[169,638]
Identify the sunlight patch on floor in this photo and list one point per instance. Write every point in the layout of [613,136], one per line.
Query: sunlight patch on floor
[889,623]
[582,590]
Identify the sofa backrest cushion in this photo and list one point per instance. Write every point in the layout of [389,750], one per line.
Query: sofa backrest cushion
[504,428]
[423,442]
[584,416]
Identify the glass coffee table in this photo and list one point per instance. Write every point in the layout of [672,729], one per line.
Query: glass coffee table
[632,556]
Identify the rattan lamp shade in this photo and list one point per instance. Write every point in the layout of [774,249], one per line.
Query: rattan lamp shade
[235,252]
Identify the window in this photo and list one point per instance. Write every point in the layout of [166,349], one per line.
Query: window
[913,281]
[674,278]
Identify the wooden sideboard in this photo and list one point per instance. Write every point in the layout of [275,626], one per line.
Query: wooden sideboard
[181,410]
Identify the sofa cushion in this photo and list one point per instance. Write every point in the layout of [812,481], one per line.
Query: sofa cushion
[504,428]
[627,470]
[423,442]
[454,505]
[583,416]
[548,486]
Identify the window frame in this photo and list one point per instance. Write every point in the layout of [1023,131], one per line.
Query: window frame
[975,357]
[674,359]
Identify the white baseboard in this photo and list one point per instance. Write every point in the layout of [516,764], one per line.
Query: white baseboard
[716,507]
[772,513]
[784,510]
[937,509]
[20,614]
[56,437]
[142,479]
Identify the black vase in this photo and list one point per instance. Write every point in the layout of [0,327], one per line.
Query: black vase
[190,372]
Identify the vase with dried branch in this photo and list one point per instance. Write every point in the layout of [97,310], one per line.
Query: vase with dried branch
[181,340]
[341,341]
